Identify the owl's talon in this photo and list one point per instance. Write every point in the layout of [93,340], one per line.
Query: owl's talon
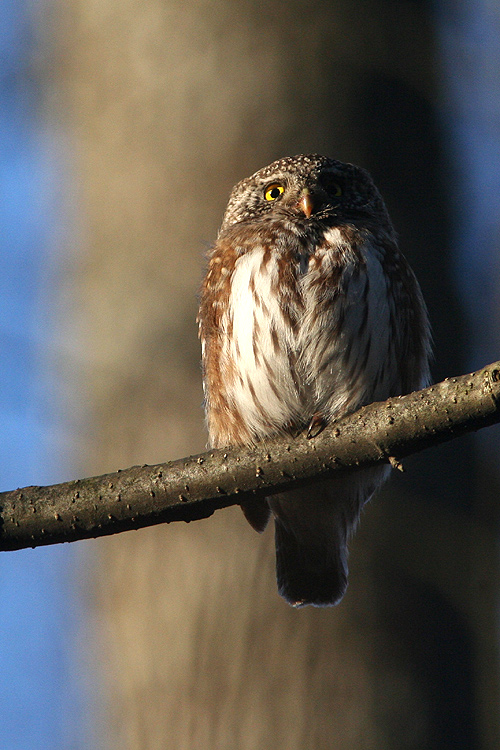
[316,425]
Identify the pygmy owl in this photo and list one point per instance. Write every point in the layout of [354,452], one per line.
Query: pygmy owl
[308,311]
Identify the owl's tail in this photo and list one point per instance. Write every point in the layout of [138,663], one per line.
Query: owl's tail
[312,529]
[311,564]
[311,574]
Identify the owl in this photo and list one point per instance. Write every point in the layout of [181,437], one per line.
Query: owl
[308,311]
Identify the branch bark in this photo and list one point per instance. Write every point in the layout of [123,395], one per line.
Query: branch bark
[192,488]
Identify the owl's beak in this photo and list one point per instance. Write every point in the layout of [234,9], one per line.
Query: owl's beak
[306,203]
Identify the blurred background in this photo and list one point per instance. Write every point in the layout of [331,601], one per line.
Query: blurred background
[123,127]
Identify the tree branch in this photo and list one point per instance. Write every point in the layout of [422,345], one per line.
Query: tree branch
[194,487]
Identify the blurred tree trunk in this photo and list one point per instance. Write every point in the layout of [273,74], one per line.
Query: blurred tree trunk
[168,104]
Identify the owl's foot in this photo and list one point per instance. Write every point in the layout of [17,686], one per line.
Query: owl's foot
[316,425]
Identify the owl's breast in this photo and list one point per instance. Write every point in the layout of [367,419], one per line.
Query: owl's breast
[259,343]
[281,342]
[303,328]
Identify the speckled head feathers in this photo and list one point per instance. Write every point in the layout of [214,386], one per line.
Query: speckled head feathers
[296,173]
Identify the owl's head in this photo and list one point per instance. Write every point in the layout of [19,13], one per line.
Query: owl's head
[307,188]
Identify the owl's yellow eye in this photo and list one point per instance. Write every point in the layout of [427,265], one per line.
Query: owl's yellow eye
[274,191]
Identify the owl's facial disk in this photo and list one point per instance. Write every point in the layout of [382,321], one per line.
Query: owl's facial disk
[296,199]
